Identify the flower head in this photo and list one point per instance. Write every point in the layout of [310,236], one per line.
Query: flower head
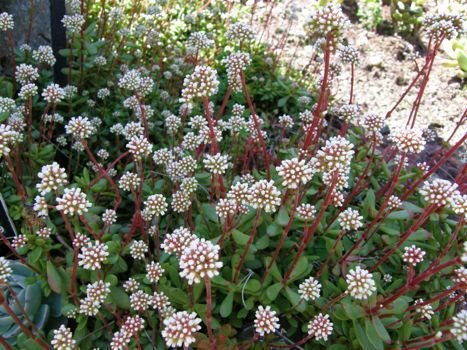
[360,283]
[179,329]
[294,171]
[263,194]
[200,260]
[73,201]
[413,255]
[63,339]
[6,22]
[240,32]
[178,241]
[154,272]
[139,146]
[217,163]
[266,320]
[350,219]
[409,140]
[156,204]
[53,93]
[5,270]
[73,23]
[438,191]
[202,82]
[93,255]
[309,289]
[459,327]
[320,327]
[138,250]
[79,127]
[52,177]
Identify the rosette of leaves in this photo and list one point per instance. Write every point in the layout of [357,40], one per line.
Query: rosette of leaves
[24,287]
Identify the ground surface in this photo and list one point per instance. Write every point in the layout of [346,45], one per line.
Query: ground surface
[383,74]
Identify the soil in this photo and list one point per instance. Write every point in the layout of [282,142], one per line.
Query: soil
[382,76]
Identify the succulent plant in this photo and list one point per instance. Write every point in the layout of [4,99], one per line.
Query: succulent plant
[40,309]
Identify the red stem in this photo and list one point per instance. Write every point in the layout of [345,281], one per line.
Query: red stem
[257,126]
[283,237]
[248,245]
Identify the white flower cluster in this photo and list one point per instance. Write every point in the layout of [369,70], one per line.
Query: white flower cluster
[438,191]
[409,140]
[7,137]
[73,201]
[80,127]
[26,74]
[413,255]
[448,25]
[202,82]
[350,219]
[294,171]
[266,320]
[200,260]
[334,157]
[44,54]
[93,255]
[360,283]
[240,32]
[216,164]
[263,194]
[63,339]
[236,63]
[5,270]
[73,23]
[52,177]
[6,22]
[320,327]
[179,329]
[309,289]
[197,42]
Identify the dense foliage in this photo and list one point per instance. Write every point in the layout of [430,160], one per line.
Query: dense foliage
[185,189]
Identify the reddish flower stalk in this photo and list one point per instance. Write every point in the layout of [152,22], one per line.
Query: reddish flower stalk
[423,276]
[123,155]
[257,126]
[356,189]
[23,311]
[14,175]
[380,213]
[459,225]
[331,253]
[13,59]
[5,344]
[448,155]
[431,343]
[412,84]
[309,234]
[323,91]
[224,103]
[247,247]
[440,296]
[461,121]
[212,134]
[450,301]
[70,59]
[212,340]
[418,223]
[283,237]
[104,173]
[20,323]
[421,91]
[352,79]
[73,279]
